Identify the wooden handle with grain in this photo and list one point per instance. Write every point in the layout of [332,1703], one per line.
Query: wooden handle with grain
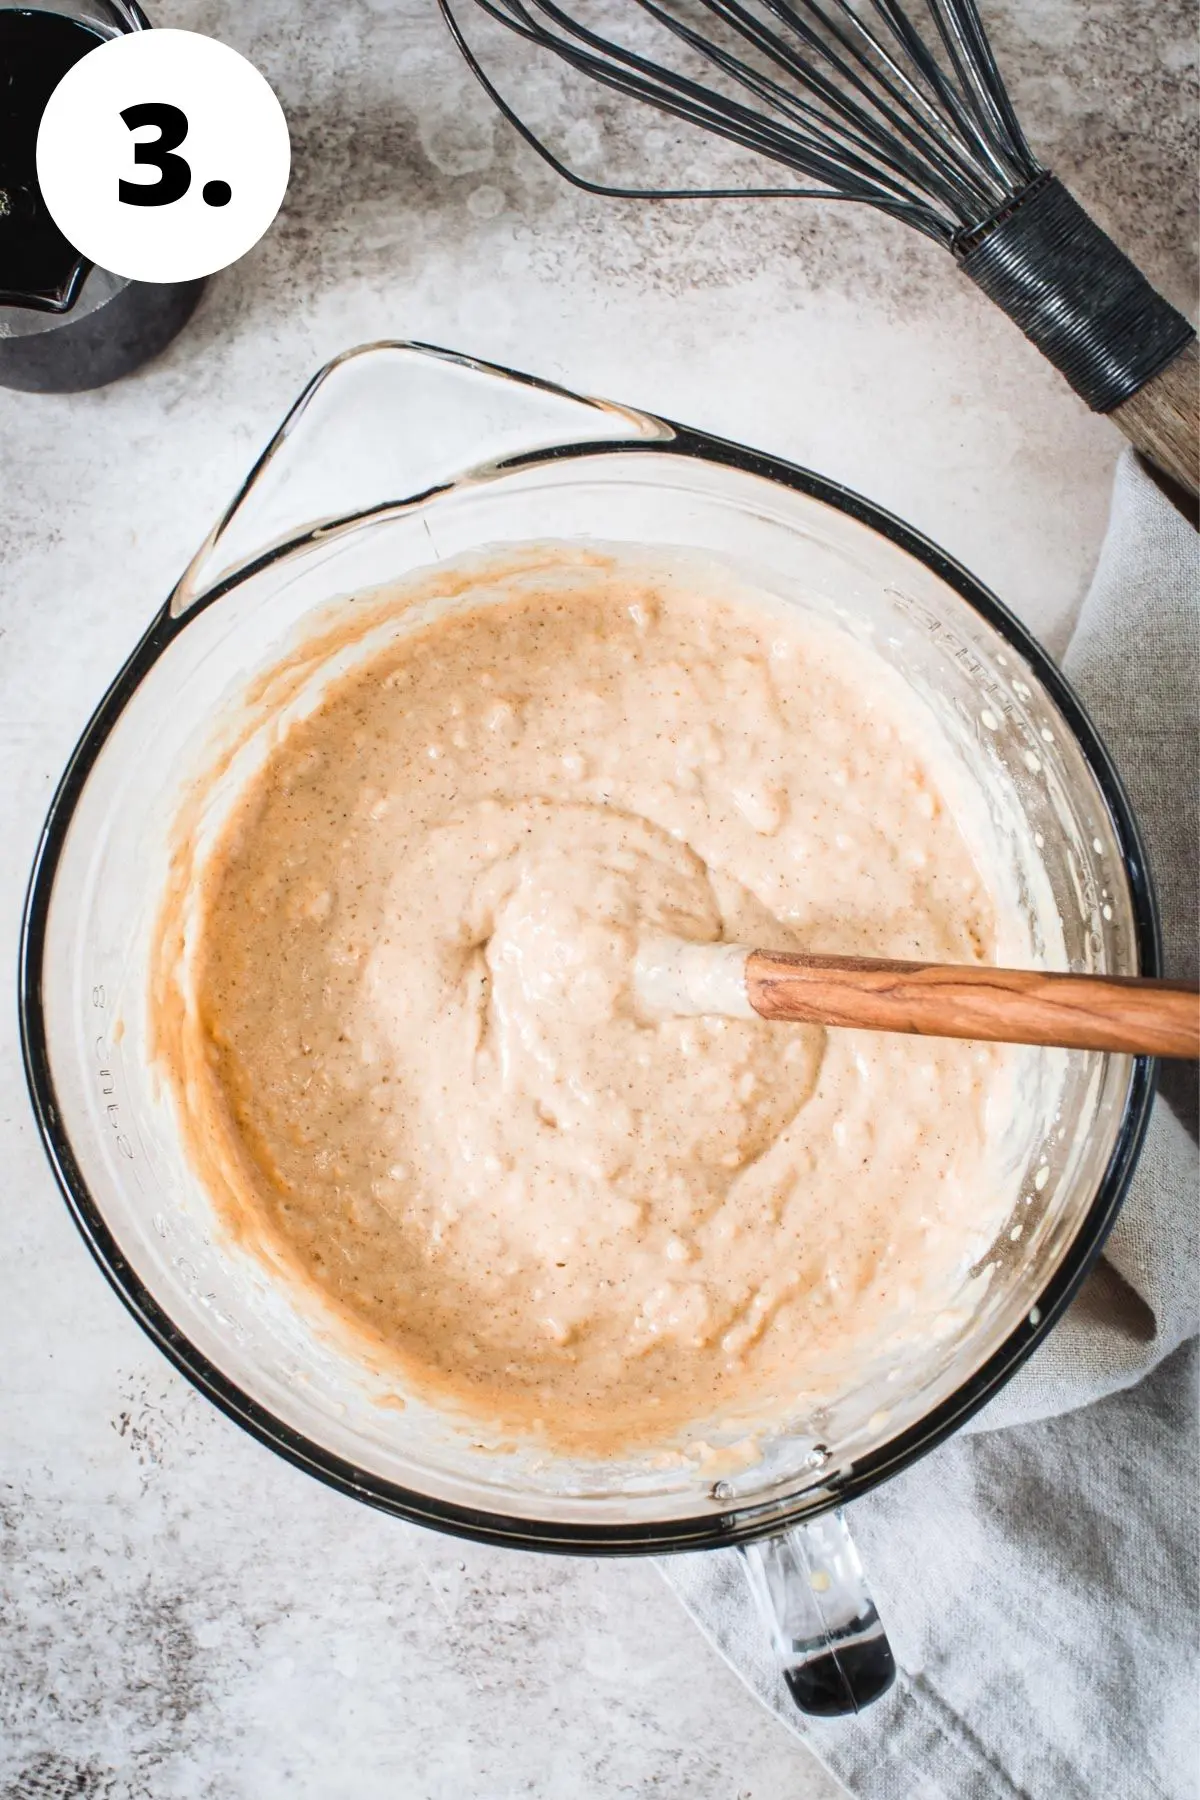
[1018,1006]
[1162,419]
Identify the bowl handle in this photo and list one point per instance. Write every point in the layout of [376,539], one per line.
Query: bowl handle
[809,1588]
[385,427]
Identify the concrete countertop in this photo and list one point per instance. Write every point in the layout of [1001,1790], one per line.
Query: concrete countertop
[183,1616]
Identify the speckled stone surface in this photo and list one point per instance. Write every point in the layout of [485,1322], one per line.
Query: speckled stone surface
[182,1616]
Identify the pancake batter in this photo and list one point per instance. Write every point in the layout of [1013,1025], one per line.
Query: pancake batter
[409,1058]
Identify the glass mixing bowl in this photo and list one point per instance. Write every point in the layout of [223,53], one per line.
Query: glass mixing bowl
[398,457]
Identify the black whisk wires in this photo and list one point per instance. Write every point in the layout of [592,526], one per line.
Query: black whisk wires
[847,94]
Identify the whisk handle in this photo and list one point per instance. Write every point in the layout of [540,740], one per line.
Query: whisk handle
[1162,419]
[1123,348]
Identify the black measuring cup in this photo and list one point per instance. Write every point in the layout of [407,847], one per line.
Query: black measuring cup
[65,325]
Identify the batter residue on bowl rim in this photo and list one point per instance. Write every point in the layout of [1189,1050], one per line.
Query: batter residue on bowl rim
[394,1003]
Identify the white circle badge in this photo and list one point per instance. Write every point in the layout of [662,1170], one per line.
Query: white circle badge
[163,156]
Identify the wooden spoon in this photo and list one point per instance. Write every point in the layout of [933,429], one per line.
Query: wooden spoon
[1014,1006]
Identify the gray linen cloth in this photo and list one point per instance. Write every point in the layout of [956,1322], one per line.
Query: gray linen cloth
[1038,1583]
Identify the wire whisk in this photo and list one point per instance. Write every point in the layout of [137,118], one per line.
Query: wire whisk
[901,107]
[850,97]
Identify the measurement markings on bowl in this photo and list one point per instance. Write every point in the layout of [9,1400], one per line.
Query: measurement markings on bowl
[962,653]
[108,1081]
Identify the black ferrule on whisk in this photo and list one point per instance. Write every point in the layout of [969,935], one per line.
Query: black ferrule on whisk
[1073,293]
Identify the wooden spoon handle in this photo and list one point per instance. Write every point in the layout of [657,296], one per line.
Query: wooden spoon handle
[1019,1006]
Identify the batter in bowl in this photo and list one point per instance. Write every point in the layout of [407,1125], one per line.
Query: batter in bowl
[396,1006]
